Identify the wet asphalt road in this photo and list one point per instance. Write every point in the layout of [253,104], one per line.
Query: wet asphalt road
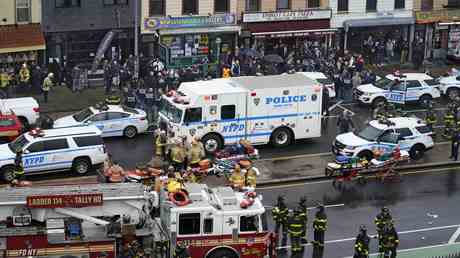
[424,207]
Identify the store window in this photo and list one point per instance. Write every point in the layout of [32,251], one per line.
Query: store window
[157,8]
[189,223]
[221,6]
[453,3]
[22,11]
[342,6]
[427,5]
[283,4]
[371,5]
[253,5]
[67,3]
[313,3]
[115,2]
[189,7]
[400,4]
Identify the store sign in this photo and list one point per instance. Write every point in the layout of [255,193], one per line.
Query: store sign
[152,23]
[65,201]
[310,14]
[437,16]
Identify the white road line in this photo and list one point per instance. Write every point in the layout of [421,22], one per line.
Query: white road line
[335,105]
[342,107]
[454,236]
[373,236]
[410,249]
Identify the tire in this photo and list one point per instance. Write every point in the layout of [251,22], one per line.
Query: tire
[366,154]
[212,143]
[376,102]
[130,132]
[281,137]
[25,123]
[8,173]
[81,166]
[425,99]
[222,253]
[417,152]
[452,93]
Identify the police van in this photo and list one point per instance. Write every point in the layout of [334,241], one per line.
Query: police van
[274,109]
[409,133]
[54,150]
[399,89]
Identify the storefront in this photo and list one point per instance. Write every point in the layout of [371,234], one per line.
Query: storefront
[183,41]
[440,30]
[292,28]
[21,43]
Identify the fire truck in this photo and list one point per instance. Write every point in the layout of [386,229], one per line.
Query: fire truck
[129,220]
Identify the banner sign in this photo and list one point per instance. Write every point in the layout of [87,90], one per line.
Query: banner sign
[437,15]
[308,14]
[153,23]
[65,201]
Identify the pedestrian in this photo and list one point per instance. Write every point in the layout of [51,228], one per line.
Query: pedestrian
[356,80]
[338,84]
[345,123]
[455,142]
[347,85]
[362,244]
[280,214]
[295,230]
[390,241]
[46,87]
[76,78]
[107,77]
[325,102]
[4,82]
[236,69]
[84,83]
[404,51]
[36,79]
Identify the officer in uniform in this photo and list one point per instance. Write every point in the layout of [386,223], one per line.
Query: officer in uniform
[381,220]
[237,179]
[195,153]
[280,215]
[390,241]
[295,230]
[304,215]
[362,244]
[178,155]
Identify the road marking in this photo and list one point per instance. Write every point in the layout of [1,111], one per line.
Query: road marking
[335,105]
[342,107]
[374,236]
[410,249]
[454,236]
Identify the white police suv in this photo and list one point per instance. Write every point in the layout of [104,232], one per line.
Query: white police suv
[450,86]
[408,132]
[112,120]
[400,89]
[54,150]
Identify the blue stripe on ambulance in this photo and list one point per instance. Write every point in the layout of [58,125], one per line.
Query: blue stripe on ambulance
[258,118]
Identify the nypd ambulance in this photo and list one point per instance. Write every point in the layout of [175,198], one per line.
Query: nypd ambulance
[409,133]
[399,89]
[54,150]
[274,109]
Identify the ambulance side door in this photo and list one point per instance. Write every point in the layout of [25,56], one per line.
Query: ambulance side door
[231,122]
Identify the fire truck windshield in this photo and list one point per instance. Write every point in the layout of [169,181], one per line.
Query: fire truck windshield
[170,111]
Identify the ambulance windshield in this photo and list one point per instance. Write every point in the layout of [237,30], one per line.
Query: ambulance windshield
[170,111]
[370,133]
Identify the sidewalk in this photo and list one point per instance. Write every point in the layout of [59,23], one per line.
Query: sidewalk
[313,166]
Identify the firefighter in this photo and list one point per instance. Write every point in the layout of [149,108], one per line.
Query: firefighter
[250,174]
[174,184]
[4,82]
[280,215]
[237,179]
[304,215]
[24,77]
[195,153]
[18,173]
[160,144]
[390,241]
[430,117]
[295,230]
[319,226]
[381,220]
[449,120]
[362,244]
[178,155]
[226,72]
[181,251]
[46,87]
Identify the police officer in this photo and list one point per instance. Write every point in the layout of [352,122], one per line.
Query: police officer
[362,244]
[181,251]
[381,220]
[178,155]
[195,153]
[303,213]
[130,99]
[295,230]
[280,215]
[390,241]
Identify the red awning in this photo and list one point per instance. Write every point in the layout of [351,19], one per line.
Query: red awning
[268,27]
[19,38]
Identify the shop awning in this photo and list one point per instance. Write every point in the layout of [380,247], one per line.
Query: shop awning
[266,28]
[293,33]
[19,38]
[219,29]
[383,21]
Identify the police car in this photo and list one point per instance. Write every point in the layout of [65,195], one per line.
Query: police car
[112,120]
[399,89]
[408,132]
[450,86]
[54,150]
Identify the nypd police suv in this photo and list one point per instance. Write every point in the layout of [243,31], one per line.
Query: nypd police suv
[408,132]
[112,120]
[54,150]
[399,89]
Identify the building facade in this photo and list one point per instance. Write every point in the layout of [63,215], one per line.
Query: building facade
[21,37]
[438,27]
[75,28]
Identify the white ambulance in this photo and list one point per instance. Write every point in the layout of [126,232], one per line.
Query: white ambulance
[267,109]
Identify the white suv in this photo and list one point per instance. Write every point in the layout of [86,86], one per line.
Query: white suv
[408,132]
[54,150]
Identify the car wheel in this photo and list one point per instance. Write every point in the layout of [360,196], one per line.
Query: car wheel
[81,166]
[212,143]
[8,173]
[281,137]
[425,100]
[378,101]
[222,253]
[417,152]
[452,93]
[130,132]
[366,155]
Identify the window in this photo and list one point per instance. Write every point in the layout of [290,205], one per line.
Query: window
[427,5]
[432,82]
[22,11]
[67,3]
[371,5]
[342,6]
[189,7]
[253,5]
[423,129]
[6,122]
[413,84]
[189,223]
[99,117]
[227,112]
[400,4]
[453,3]
[192,115]
[283,4]
[73,229]
[399,87]
[88,141]
[313,3]
[221,6]
[57,144]
[248,223]
[207,225]
[389,137]
[116,115]
[115,2]
[35,147]
[403,132]
[157,8]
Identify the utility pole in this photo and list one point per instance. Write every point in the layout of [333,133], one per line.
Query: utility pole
[136,38]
